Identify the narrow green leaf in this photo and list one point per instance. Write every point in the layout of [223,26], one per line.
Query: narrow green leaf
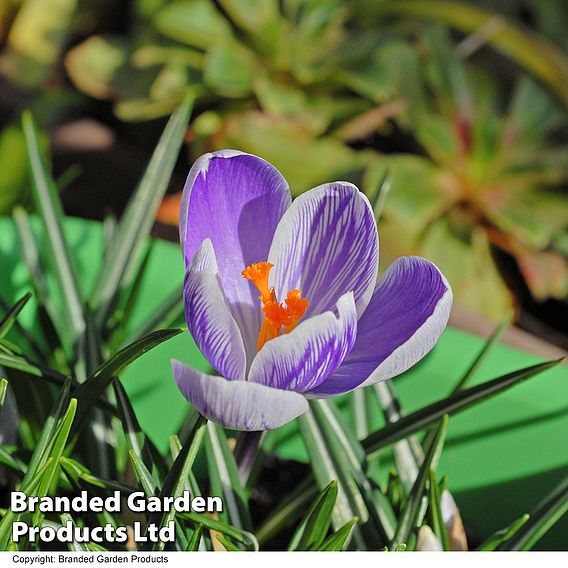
[60,441]
[313,529]
[463,399]
[485,351]
[74,546]
[49,208]
[81,475]
[90,391]
[503,535]
[44,444]
[195,540]
[138,218]
[288,511]
[542,519]
[166,315]
[145,479]
[175,482]
[437,519]
[322,465]
[9,318]
[409,517]
[224,478]
[375,514]
[229,546]
[3,390]
[244,537]
[136,440]
[10,517]
[51,320]
[337,541]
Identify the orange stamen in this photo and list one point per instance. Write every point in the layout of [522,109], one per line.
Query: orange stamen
[258,275]
[296,307]
[277,317]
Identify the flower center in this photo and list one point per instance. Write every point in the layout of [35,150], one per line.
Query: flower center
[278,317]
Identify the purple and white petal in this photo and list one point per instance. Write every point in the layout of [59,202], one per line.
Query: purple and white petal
[209,320]
[236,200]
[302,359]
[239,405]
[326,244]
[404,320]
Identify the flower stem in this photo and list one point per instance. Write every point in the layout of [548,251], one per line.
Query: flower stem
[246,451]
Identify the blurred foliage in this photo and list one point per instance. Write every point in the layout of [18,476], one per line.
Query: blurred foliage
[473,145]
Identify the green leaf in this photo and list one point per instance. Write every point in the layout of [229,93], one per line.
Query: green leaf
[10,517]
[50,211]
[373,511]
[193,23]
[485,351]
[224,478]
[135,438]
[136,223]
[174,483]
[82,476]
[229,546]
[44,444]
[229,69]
[9,319]
[337,540]
[90,391]
[503,535]
[244,537]
[463,399]
[145,479]
[74,546]
[195,539]
[60,441]
[435,508]
[314,526]
[3,390]
[287,511]
[542,519]
[410,515]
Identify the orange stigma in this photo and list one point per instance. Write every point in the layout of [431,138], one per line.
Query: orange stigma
[278,318]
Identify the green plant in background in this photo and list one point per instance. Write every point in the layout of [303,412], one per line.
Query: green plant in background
[487,179]
[65,371]
[329,89]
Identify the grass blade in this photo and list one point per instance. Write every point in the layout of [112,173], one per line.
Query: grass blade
[174,483]
[503,535]
[49,209]
[224,478]
[463,399]
[542,519]
[9,318]
[138,218]
[409,518]
[89,392]
[313,529]
[486,349]
[338,539]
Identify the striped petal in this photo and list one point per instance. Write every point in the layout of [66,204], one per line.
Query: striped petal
[326,245]
[302,359]
[236,200]
[239,405]
[209,320]
[404,320]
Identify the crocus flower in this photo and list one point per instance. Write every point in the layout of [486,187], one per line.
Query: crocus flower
[282,297]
